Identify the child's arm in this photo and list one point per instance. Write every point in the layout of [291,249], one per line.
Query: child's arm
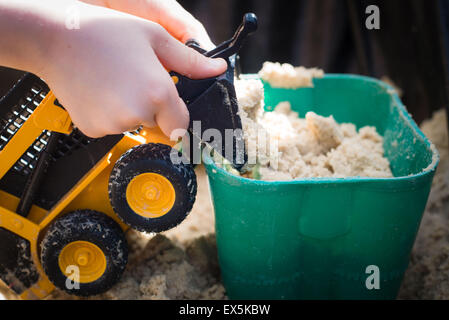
[109,74]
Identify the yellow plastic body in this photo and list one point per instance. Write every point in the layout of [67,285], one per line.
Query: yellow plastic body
[87,256]
[91,192]
[150,195]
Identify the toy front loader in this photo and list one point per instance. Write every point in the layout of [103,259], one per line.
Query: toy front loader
[61,193]
[66,199]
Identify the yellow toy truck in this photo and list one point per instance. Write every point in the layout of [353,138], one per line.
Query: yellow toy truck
[66,199]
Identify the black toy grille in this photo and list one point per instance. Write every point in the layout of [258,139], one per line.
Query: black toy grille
[20,112]
[69,143]
[27,162]
[38,177]
[16,107]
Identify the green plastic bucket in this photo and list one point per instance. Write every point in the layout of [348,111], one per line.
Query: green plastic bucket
[317,238]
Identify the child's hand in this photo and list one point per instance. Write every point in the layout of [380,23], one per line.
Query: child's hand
[109,74]
[168,13]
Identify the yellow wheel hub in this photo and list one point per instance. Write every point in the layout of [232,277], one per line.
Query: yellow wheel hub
[87,257]
[150,195]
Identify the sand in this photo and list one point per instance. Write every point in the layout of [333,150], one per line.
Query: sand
[283,146]
[427,276]
[287,76]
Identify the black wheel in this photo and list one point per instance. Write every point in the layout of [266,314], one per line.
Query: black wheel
[84,252]
[148,191]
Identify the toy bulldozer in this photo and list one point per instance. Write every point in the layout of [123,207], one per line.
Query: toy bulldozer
[66,199]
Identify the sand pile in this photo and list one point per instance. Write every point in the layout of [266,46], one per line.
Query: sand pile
[287,76]
[164,270]
[283,146]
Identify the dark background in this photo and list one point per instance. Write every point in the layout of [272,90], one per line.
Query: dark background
[411,47]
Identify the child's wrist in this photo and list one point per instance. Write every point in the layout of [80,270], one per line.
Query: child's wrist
[52,24]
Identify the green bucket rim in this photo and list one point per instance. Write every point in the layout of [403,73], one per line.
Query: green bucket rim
[326,180]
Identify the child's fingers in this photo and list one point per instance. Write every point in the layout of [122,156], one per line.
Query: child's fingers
[173,118]
[168,13]
[178,57]
[167,109]
[182,25]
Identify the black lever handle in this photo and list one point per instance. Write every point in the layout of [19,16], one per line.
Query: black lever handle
[194,44]
[233,45]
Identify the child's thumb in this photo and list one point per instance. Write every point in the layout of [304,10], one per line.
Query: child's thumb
[176,56]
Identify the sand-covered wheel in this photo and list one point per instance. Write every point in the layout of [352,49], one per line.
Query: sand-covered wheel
[84,252]
[149,191]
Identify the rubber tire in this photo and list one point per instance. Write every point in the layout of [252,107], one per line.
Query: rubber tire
[86,225]
[145,158]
